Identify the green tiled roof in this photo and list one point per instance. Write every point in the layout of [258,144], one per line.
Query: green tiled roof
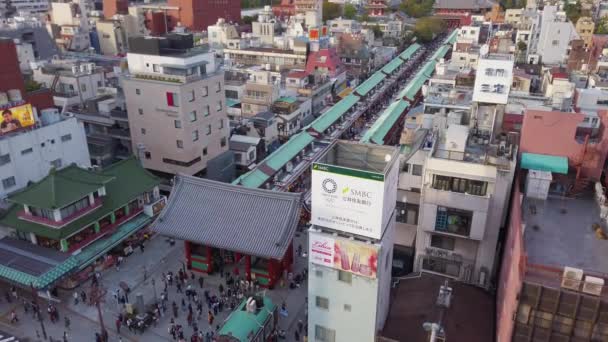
[385,122]
[544,162]
[392,65]
[60,188]
[441,52]
[241,323]
[412,88]
[429,68]
[288,99]
[407,54]
[78,261]
[276,160]
[328,118]
[287,151]
[130,180]
[452,37]
[370,83]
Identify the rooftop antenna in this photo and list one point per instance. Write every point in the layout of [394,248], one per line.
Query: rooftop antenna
[444,299]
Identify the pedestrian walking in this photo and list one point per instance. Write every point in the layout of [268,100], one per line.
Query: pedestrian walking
[65,336]
[201,281]
[210,318]
[75,295]
[141,247]
[174,309]
[67,322]
[297,336]
[118,324]
[14,318]
[300,325]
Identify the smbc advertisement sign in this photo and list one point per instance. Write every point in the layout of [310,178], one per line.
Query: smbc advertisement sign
[348,200]
[341,254]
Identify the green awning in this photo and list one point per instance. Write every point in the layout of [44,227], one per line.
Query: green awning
[544,162]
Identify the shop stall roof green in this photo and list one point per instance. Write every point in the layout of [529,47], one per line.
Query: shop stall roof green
[370,83]
[129,180]
[240,324]
[276,160]
[441,52]
[412,88]
[392,66]
[385,122]
[410,51]
[332,115]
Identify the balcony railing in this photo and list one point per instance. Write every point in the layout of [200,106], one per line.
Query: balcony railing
[65,221]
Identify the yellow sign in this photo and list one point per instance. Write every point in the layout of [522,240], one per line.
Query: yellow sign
[16,118]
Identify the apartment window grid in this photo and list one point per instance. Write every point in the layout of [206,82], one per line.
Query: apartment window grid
[407,213]
[443,242]
[322,302]
[8,183]
[205,91]
[221,124]
[195,135]
[324,334]
[345,277]
[218,87]
[462,185]
[66,137]
[179,143]
[223,142]
[208,129]
[416,170]
[177,123]
[206,110]
[204,151]
[192,116]
[219,106]
[27,151]
[140,111]
[453,221]
[190,96]
[5,159]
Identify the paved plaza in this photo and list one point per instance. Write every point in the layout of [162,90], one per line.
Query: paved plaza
[158,257]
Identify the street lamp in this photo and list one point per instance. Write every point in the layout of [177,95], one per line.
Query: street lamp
[35,298]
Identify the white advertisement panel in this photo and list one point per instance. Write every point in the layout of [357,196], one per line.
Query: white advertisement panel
[345,255]
[347,200]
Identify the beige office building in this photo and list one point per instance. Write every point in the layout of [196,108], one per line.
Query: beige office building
[176,104]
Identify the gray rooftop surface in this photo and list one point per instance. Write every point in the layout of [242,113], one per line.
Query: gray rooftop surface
[28,258]
[564,239]
[247,220]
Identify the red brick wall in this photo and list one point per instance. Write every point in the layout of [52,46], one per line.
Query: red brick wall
[199,14]
[112,7]
[511,272]
[10,74]
[41,99]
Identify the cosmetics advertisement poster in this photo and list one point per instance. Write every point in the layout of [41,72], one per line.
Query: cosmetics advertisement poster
[345,255]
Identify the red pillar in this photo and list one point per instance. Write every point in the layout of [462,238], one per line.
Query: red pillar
[209,257]
[272,269]
[288,259]
[248,267]
[188,252]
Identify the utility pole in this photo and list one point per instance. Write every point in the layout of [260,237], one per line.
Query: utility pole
[443,302]
[35,299]
[97,296]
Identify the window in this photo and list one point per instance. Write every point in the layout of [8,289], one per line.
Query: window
[221,124]
[322,302]
[453,221]
[179,143]
[137,92]
[66,137]
[489,72]
[195,135]
[208,129]
[417,170]
[218,87]
[347,307]
[27,151]
[406,168]
[219,106]
[344,276]
[83,87]
[143,131]
[192,116]
[172,99]
[177,123]
[140,111]
[205,91]
[319,273]
[232,94]
[99,83]
[555,43]
[5,159]
[148,155]
[56,163]
[455,184]
[190,96]
[8,183]
[204,151]
[407,213]
[602,102]
[223,142]
[75,207]
[443,242]
[155,68]
[324,334]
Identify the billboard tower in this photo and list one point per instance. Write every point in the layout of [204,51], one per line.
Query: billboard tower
[354,192]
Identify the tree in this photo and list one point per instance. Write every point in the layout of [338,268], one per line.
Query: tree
[428,27]
[573,11]
[417,8]
[602,26]
[247,20]
[508,4]
[377,31]
[363,18]
[331,10]
[350,11]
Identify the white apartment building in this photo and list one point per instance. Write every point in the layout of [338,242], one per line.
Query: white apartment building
[220,33]
[72,82]
[468,35]
[112,37]
[29,155]
[351,241]
[176,104]
[556,32]
[24,7]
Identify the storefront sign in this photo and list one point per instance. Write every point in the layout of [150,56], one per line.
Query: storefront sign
[15,118]
[346,255]
[348,200]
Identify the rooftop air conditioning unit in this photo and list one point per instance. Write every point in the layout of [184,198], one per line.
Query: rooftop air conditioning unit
[572,278]
[593,285]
